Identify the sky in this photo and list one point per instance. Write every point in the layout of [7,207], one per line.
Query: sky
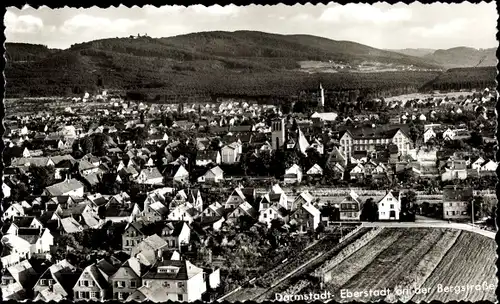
[380,25]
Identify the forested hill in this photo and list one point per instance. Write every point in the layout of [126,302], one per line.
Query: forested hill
[464,57]
[23,52]
[242,62]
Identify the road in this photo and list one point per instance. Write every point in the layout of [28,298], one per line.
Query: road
[432,223]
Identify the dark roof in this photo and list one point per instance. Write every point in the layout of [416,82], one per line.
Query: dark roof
[456,193]
[240,129]
[384,131]
[22,221]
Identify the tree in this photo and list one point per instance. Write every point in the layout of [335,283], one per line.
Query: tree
[41,177]
[369,211]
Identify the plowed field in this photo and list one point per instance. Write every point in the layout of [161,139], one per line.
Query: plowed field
[417,264]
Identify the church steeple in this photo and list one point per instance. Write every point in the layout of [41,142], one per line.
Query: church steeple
[321,98]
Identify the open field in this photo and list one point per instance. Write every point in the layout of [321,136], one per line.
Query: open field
[305,261]
[411,263]
[471,260]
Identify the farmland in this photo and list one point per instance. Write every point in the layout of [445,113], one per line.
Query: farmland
[471,260]
[411,263]
[307,260]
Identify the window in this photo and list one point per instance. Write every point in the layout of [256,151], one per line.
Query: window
[450,204]
[464,212]
[96,294]
[120,284]
[166,284]
[392,206]
[85,283]
[126,243]
[43,282]
[132,284]
[180,284]
[91,283]
[447,213]
[180,297]
[265,215]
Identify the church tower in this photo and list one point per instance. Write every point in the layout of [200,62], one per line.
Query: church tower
[321,98]
[278,133]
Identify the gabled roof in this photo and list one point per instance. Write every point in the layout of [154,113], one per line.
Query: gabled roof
[61,188]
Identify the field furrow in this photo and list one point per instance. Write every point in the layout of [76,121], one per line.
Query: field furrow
[343,272]
[471,260]
[390,264]
[415,277]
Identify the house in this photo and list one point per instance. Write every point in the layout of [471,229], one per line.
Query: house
[57,282]
[367,139]
[456,201]
[69,187]
[271,213]
[5,190]
[181,176]
[350,208]
[489,166]
[149,250]
[356,172]
[389,206]
[428,134]
[477,164]
[231,153]
[19,222]
[293,175]
[176,234]
[69,225]
[325,116]
[307,218]
[236,198]
[150,176]
[454,170]
[213,210]
[174,280]
[17,281]
[183,212]
[93,282]
[16,246]
[40,240]
[132,235]
[204,158]
[244,209]
[126,279]
[315,171]
[213,175]
[13,210]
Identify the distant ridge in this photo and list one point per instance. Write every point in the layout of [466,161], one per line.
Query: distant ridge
[205,63]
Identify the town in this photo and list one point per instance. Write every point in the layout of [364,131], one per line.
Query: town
[109,197]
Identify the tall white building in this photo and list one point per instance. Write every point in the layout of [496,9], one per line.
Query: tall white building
[321,99]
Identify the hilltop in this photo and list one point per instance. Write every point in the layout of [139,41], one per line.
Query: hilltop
[458,57]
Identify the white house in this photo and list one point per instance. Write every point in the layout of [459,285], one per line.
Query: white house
[150,176]
[181,175]
[231,153]
[490,166]
[214,175]
[428,134]
[293,175]
[315,170]
[476,165]
[13,210]
[266,216]
[69,187]
[6,190]
[389,206]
